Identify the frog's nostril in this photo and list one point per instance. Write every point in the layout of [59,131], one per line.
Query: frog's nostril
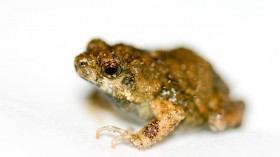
[82,64]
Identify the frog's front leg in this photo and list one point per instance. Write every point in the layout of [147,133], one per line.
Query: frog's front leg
[167,117]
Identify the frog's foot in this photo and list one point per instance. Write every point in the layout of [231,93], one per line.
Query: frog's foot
[168,116]
[124,134]
[227,118]
[132,139]
[110,128]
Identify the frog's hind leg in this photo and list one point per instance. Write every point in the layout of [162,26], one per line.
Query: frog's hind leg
[235,114]
[227,117]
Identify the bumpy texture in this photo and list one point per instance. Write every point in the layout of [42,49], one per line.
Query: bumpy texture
[165,87]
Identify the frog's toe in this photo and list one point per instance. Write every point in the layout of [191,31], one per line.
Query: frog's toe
[132,139]
[126,137]
[111,128]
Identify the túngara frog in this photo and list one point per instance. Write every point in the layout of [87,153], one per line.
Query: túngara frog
[166,87]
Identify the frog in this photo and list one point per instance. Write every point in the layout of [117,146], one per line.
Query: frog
[166,88]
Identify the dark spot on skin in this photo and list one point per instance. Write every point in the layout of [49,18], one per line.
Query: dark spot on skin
[98,85]
[127,80]
[151,130]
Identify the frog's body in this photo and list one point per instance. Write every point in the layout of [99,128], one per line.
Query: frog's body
[165,86]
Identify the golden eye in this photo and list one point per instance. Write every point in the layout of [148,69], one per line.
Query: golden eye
[111,69]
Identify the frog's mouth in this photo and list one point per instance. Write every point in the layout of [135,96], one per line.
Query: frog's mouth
[82,72]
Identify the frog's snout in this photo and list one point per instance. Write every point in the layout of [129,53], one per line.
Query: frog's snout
[80,63]
[80,66]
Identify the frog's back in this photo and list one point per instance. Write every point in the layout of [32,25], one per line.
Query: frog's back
[196,82]
[193,75]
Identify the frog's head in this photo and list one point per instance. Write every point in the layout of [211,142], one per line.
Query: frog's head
[121,71]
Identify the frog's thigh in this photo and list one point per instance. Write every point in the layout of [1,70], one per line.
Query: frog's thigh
[227,117]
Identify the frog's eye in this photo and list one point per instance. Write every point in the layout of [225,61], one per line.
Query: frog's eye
[111,69]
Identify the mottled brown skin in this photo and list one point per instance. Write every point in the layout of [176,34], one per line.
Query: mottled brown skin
[164,87]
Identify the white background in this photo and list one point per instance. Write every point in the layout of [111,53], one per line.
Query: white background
[43,103]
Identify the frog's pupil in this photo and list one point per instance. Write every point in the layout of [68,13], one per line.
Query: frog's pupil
[111,70]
